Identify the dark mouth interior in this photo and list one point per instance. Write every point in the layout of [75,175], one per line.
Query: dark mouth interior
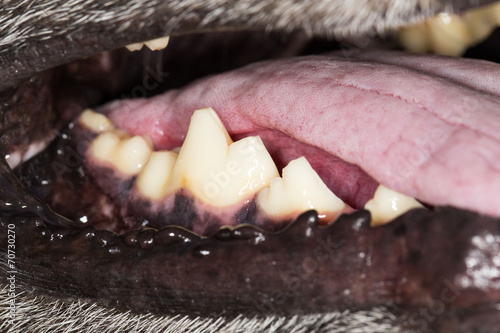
[121,74]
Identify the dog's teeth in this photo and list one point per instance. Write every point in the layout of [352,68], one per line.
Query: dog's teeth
[105,145]
[387,204]
[449,34]
[153,44]
[483,20]
[134,47]
[299,190]
[216,170]
[132,154]
[158,43]
[414,38]
[96,122]
[129,155]
[154,177]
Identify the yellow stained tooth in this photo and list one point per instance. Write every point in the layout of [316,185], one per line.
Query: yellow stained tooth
[155,176]
[96,122]
[158,43]
[387,204]
[132,154]
[414,38]
[449,34]
[299,190]
[214,169]
[105,146]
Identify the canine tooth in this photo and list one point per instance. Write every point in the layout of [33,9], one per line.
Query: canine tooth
[387,204]
[132,154]
[216,170]
[482,21]
[96,122]
[414,38]
[134,47]
[158,43]
[155,176]
[449,34]
[299,190]
[105,146]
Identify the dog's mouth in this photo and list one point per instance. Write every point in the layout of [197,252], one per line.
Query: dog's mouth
[424,126]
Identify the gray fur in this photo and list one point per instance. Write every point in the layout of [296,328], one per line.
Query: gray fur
[40,315]
[23,22]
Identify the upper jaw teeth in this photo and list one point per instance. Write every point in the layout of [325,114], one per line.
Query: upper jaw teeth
[451,34]
[154,44]
[223,173]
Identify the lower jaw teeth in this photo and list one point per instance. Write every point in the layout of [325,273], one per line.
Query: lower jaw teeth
[223,175]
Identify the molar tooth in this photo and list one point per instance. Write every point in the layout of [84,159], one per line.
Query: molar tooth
[299,190]
[158,43]
[96,122]
[387,204]
[449,34]
[214,169]
[132,154]
[414,38]
[155,176]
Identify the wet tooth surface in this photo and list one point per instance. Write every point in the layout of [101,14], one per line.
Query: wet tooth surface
[154,177]
[300,189]
[96,122]
[216,170]
[387,205]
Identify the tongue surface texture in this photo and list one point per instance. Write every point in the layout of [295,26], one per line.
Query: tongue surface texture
[424,126]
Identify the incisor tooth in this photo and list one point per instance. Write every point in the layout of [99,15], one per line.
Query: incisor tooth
[96,122]
[158,43]
[214,169]
[387,204]
[299,190]
[155,176]
[134,47]
[132,154]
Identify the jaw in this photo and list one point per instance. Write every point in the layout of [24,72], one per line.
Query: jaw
[305,255]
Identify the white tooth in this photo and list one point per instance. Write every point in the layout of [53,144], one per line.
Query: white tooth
[387,204]
[158,43]
[96,122]
[134,47]
[449,34]
[155,176]
[214,169]
[105,146]
[132,154]
[299,190]
[414,38]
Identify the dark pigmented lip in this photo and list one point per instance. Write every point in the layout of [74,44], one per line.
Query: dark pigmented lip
[430,278]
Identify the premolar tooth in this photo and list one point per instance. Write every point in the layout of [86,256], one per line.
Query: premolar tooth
[132,154]
[387,204]
[96,122]
[299,190]
[155,176]
[105,145]
[214,169]
[158,43]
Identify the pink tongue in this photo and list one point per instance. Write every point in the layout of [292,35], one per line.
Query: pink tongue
[420,125]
